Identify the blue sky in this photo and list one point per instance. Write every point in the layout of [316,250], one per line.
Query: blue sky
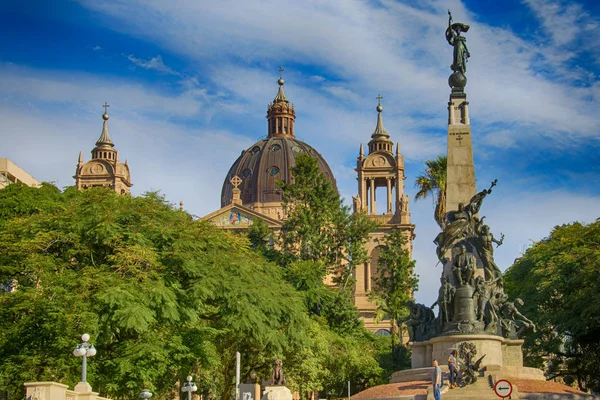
[189,82]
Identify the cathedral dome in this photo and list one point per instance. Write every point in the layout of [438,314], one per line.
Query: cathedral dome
[270,160]
[265,162]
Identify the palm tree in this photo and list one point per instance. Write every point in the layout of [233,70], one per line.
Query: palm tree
[433,183]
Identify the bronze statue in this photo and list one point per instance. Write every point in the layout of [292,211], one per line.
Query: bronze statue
[512,317]
[485,309]
[484,244]
[463,266]
[461,52]
[460,224]
[418,318]
[277,377]
[470,370]
[444,300]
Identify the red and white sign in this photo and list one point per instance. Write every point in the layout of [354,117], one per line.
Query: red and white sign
[503,388]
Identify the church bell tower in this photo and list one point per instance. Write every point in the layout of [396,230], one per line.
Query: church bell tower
[380,177]
[104,169]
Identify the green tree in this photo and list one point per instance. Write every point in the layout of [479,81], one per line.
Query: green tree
[433,182]
[558,278]
[320,238]
[318,226]
[161,295]
[394,285]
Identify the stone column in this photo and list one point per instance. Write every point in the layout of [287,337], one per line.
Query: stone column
[389,194]
[372,206]
[368,275]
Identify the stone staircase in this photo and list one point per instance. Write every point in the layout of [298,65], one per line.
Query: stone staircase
[480,390]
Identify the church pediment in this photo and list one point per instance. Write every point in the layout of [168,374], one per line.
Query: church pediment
[238,216]
[97,168]
[379,160]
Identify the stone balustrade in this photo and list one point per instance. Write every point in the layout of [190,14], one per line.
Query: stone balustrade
[58,391]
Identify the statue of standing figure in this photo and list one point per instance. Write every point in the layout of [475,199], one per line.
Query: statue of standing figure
[461,52]
[484,244]
[444,300]
[463,266]
[485,308]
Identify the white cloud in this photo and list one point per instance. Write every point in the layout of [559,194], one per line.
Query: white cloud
[96,48]
[155,63]
[81,88]
[391,46]
[563,21]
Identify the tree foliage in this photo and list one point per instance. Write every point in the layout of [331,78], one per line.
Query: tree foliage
[161,295]
[433,182]
[393,286]
[321,238]
[559,280]
[318,226]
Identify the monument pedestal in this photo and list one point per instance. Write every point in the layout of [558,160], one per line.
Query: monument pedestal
[498,350]
[277,393]
[504,357]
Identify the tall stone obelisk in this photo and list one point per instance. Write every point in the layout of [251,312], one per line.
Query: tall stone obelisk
[460,178]
[475,316]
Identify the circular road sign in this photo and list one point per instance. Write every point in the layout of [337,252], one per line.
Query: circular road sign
[503,388]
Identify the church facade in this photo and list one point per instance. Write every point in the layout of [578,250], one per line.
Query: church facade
[380,171]
[249,191]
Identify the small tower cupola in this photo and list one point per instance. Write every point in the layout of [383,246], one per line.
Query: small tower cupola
[104,149]
[380,139]
[281,114]
[104,169]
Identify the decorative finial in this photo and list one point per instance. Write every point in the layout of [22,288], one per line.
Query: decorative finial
[379,129]
[235,181]
[181,205]
[105,115]
[280,81]
[379,106]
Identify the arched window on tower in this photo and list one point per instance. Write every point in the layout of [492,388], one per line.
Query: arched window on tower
[382,332]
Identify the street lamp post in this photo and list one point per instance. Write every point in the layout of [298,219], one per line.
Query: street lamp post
[85,350]
[189,387]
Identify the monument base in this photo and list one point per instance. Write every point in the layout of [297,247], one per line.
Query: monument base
[276,393]
[498,350]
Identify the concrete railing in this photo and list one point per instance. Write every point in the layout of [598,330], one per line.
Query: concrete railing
[58,391]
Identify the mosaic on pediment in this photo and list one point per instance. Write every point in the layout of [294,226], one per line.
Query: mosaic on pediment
[232,217]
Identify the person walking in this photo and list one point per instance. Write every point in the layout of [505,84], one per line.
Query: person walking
[436,380]
[452,366]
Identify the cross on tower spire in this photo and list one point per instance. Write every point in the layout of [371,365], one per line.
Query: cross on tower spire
[280,71]
[105,105]
[379,97]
